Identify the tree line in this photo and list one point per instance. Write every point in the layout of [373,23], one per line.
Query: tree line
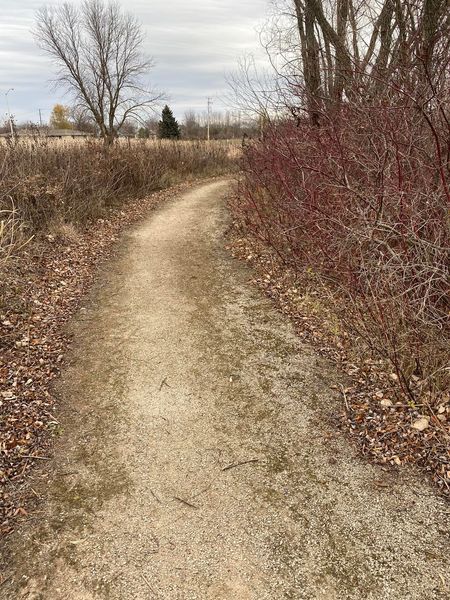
[97,50]
[192,127]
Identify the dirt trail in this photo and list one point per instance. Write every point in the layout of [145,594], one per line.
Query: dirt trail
[196,459]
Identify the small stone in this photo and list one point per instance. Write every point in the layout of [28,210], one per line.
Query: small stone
[386,402]
[421,424]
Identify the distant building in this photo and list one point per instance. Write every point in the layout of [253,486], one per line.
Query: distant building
[67,133]
[47,132]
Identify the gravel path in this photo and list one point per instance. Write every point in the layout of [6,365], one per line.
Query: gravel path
[196,458]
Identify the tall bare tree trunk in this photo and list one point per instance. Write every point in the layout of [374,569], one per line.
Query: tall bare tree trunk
[311,59]
[341,64]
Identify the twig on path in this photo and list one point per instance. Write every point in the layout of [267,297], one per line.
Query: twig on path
[444,584]
[164,383]
[244,462]
[185,502]
[35,493]
[148,585]
[155,496]
[37,457]
[3,581]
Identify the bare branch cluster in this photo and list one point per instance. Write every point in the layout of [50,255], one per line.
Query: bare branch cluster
[324,54]
[351,182]
[359,50]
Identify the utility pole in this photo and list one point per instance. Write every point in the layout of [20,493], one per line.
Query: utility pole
[9,112]
[40,117]
[209,102]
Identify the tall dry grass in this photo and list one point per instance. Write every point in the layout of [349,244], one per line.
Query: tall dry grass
[43,182]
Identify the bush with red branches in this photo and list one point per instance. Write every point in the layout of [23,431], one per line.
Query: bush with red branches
[361,203]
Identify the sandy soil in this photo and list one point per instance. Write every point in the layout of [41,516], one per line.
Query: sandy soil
[196,458]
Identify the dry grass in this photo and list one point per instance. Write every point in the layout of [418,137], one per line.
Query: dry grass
[52,183]
[11,231]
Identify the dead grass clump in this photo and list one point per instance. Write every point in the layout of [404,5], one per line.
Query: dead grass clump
[11,231]
[73,183]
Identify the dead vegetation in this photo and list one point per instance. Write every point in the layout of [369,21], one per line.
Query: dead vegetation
[348,190]
[43,183]
[389,428]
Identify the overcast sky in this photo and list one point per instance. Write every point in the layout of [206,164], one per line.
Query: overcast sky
[194,43]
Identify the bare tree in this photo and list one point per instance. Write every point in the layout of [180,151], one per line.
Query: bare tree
[191,125]
[97,48]
[82,120]
[325,53]
[255,91]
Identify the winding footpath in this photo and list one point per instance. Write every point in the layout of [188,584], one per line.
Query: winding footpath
[197,459]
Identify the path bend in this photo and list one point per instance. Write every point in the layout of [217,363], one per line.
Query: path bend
[197,461]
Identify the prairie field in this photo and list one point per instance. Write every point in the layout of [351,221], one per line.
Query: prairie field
[54,182]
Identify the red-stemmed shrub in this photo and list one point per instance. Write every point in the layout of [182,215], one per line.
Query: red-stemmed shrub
[362,202]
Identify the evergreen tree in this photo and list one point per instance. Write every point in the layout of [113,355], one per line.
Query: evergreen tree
[168,126]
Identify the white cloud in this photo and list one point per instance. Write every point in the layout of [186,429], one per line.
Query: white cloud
[194,45]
